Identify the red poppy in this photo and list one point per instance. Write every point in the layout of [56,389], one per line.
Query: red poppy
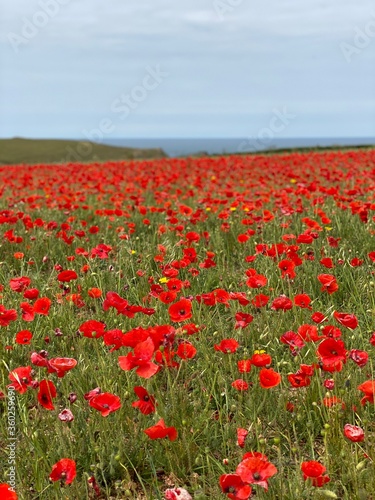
[260,359]
[256,470]
[302,300]
[92,329]
[24,337]
[186,350]
[240,385]
[318,317]
[7,492]
[331,350]
[227,346]
[141,359]
[146,403]
[287,268]
[329,402]
[354,433]
[180,311]
[62,365]
[66,276]
[327,262]
[167,297]
[282,303]
[243,320]
[346,319]
[241,437]
[47,391]
[329,283]
[42,306]
[106,403]
[233,486]
[359,357]
[160,431]
[94,293]
[21,378]
[368,389]
[19,284]
[293,340]
[64,470]
[27,311]
[309,333]
[6,316]
[31,293]
[260,300]
[244,365]
[268,378]
[314,471]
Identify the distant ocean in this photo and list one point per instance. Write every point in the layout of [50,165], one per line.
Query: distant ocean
[186,147]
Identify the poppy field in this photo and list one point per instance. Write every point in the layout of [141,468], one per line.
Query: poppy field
[197,328]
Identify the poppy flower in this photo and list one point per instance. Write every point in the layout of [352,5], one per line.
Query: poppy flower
[309,333]
[269,378]
[368,389]
[167,297]
[293,340]
[287,268]
[67,276]
[19,284]
[314,471]
[160,431]
[243,320]
[330,351]
[113,338]
[180,311]
[318,317]
[106,403]
[24,337]
[31,293]
[66,415]
[354,433]
[241,437]
[94,293]
[186,350]
[346,319]
[64,470]
[244,365]
[21,378]
[359,357]
[47,391]
[7,315]
[260,358]
[256,470]
[302,300]
[141,359]
[233,486]
[327,262]
[329,283]
[240,385]
[92,329]
[146,403]
[42,306]
[227,346]
[27,311]
[332,401]
[7,492]
[62,365]
[177,494]
[260,300]
[282,303]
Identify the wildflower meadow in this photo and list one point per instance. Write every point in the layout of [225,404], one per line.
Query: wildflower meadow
[189,328]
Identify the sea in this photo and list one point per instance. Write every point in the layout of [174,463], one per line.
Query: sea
[177,147]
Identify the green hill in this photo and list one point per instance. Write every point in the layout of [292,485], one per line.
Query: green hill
[31,151]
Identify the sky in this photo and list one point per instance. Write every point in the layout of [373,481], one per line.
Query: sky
[189,68]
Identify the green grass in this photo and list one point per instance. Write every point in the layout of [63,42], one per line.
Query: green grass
[33,151]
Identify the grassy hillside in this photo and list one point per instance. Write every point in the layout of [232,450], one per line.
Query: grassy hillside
[16,151]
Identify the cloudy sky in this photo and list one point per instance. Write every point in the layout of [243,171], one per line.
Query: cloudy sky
[189,68]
